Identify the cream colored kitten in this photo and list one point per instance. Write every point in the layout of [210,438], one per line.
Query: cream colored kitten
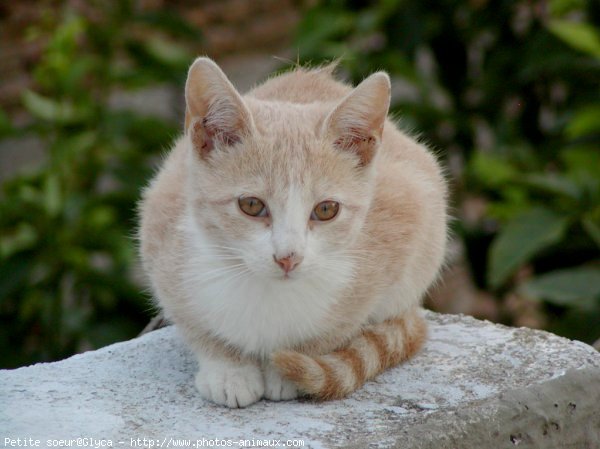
[291,234]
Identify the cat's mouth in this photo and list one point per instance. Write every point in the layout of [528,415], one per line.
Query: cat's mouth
[287,277]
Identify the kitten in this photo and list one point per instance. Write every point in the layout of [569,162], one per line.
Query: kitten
[291,233]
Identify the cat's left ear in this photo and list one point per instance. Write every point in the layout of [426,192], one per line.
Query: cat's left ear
[356,124]
[215,112]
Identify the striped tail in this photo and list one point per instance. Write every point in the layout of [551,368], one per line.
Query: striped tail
[336,375]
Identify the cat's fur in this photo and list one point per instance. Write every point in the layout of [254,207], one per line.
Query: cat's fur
[351,308]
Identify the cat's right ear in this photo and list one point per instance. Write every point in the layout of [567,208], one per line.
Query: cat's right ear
[215,113]
[356,124]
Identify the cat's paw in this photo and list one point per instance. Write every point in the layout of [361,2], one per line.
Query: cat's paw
[278,388]
[230,384]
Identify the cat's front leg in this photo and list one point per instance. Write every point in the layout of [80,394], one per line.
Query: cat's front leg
[229,382]
[278,388]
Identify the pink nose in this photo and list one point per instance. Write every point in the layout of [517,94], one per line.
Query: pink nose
[288,263]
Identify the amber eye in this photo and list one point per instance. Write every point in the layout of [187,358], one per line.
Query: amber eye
[252,206]
[325,210]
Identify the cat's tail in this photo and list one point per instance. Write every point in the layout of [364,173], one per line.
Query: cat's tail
[376,348]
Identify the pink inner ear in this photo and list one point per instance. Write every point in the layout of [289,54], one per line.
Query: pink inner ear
[358,142]
[205,135]
[202,140]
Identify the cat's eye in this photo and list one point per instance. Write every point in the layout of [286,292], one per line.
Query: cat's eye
[325,210]
[252,206]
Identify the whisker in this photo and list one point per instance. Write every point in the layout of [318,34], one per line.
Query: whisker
[228,248]
[222,270]
[214,274]
[240,276]
[213,256]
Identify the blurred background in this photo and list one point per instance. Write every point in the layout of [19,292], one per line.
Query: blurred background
[507,92]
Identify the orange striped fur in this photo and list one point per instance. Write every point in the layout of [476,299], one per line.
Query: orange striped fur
[336,375]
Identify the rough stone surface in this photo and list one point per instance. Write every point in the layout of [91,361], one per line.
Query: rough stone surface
[474,385]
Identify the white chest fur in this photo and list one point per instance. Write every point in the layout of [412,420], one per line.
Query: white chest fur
[256,314]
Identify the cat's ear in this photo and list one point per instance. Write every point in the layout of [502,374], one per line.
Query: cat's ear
[215,112]
[356,124]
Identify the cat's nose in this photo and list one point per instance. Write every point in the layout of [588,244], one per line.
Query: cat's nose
[289,262]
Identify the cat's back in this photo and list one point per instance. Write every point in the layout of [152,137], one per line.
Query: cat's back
[318,86]
[302,86]
[162,205]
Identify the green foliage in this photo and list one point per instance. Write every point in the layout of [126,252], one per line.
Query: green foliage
[506,88]
[581,36]
[66,230]
[524,236]
[508,91]
[565,287]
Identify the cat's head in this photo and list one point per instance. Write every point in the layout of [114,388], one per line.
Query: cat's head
[281,188]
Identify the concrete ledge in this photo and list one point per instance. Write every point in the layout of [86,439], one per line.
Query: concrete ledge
[475,385]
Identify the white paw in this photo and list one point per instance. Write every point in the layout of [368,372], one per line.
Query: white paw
[278,388]
[228,383]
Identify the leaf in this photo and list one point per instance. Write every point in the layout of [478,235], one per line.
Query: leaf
[552,183]
[523,237]
[319,28]
[581,36]
[491,170]
[585,121]
[24,237]
[51,110]
[74,145]
[167,53]
[562,7]
[574,286]
[581,163]
[52,195]
[592,229]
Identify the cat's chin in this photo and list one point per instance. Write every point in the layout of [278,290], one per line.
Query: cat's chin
[286,278]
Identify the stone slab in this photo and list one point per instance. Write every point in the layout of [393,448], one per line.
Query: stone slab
[474,385]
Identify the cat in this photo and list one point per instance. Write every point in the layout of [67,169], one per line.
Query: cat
[291,234]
